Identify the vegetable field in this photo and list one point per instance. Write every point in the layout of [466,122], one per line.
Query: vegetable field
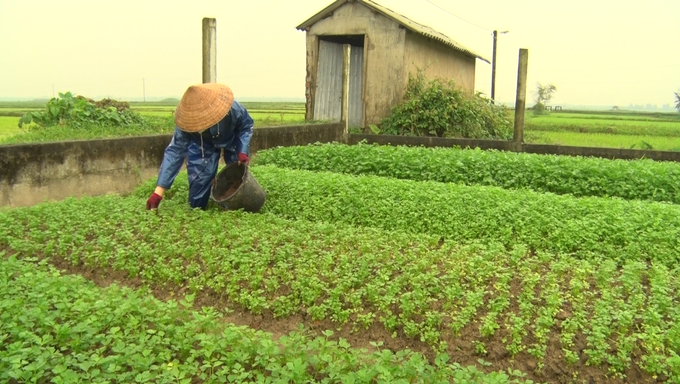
[387,264]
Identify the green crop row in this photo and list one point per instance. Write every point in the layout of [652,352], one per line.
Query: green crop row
[578,176]
[415,286]
[589,228]
[63,329]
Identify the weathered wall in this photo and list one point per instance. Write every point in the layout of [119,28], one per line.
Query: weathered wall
[32,173]
[383,56]
[438,60]
[545,149]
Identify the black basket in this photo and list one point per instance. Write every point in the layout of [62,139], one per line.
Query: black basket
[236,188]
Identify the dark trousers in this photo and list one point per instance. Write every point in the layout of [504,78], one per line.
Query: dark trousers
[202,169]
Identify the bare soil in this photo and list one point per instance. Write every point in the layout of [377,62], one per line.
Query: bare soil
[232,189]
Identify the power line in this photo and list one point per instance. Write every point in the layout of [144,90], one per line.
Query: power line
[458,17]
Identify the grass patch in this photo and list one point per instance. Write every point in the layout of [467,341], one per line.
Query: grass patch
[657,124]
[605,140]
[87,132]
[9,126]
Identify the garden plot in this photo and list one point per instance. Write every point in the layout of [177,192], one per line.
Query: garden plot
[590,228]
[332,251]
[64,329]
[578,176]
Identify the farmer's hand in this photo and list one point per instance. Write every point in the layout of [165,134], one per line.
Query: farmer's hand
[154,201]
[243,158]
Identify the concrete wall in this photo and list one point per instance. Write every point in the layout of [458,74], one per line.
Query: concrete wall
[544,149]
[32,173]
[383,57]
[438,60]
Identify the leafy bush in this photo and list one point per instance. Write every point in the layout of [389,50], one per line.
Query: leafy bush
[539,109]
[439,108]
[77,110]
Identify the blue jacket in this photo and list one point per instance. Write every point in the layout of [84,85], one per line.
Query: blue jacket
[233,133]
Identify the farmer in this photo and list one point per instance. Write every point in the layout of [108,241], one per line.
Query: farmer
[207,120]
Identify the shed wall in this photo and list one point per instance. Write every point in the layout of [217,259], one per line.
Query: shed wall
[438,60]
[384,57]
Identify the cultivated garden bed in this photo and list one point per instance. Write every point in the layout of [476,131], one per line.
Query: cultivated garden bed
[555,287]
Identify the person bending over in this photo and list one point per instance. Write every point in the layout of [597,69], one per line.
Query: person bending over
[207,121]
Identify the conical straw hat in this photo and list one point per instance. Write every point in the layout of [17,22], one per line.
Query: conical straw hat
[203,106]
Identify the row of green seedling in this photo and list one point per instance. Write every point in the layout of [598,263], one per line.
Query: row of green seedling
[589,228]
[416,286]
[578,176]
[63,329]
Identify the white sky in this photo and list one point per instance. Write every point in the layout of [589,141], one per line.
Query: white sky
[597,52]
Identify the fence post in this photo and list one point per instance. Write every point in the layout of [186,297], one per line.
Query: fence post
[209,50]
[520,100]
[345,89]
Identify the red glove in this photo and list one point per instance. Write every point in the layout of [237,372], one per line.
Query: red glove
[243,158]
[153,201]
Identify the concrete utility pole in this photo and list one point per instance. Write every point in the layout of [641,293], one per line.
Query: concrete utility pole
[493,64]
[209,50]
[520,101]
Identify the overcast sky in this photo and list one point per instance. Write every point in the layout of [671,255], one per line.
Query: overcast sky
[596,52]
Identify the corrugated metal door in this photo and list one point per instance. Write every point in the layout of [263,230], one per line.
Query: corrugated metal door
[328,100]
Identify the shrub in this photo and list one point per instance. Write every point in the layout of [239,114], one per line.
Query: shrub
[440,108]
[540,109]
[77,110]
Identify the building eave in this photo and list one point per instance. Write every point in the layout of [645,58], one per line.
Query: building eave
[401,19]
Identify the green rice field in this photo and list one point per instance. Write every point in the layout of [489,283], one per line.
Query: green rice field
[659,131]
[620,129]
[264,114]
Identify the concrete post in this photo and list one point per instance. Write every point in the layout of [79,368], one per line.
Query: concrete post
[493,66]
[209,50]
[520,101]
[345,88]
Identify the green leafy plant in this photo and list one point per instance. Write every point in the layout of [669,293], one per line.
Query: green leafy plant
[77,110]
[591,227]
[63,329]
[594,280]
[565,175]
[440,108]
